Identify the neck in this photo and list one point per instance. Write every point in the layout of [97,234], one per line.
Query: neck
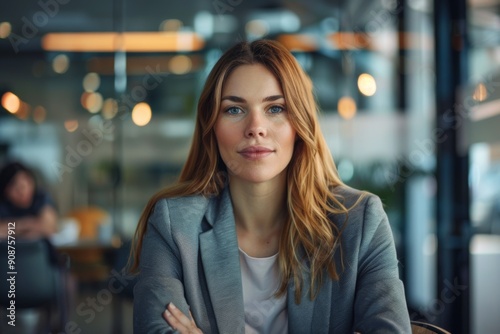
[259,208]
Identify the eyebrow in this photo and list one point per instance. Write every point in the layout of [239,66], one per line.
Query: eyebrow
[242,100]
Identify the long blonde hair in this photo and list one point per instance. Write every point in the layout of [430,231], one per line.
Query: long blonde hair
[311,174]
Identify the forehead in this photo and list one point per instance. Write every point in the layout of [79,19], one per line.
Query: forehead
[20,176]
[251,79]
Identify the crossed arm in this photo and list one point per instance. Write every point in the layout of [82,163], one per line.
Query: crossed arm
[32,227]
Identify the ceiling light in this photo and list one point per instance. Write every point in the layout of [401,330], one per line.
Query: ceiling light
[5,29]
[180,64]
[127,41]
[91,82]
[71,125]
[347,107]
[141,114]
[60,64]
[11,102]
[367,84]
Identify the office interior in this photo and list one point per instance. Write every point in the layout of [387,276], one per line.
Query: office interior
[99,97]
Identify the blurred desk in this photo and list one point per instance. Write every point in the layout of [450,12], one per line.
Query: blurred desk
[91,260]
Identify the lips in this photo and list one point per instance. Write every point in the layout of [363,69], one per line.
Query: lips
[255,152]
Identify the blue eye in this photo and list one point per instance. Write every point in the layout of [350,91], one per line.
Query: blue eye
[233,111]
[276,109]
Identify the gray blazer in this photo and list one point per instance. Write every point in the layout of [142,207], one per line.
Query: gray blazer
[190,257]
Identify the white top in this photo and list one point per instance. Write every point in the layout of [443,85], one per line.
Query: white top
[264,313]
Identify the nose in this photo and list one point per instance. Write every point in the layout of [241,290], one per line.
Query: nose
[256,125]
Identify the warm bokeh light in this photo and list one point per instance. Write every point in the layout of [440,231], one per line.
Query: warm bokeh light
[257,28]
[367,84]
[83,99]
[91,82]
[180,64]
[5,29]
[298,42]
[109,108]
[39,114]
[171,25]
[60,64]
[163,41]
[11,102]
[349,40]
[480,93]
[347,107]
[24,111]
[71,125]
[141,114]
[92,102]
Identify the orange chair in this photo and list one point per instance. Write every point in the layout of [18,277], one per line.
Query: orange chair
[90,219]
[90,256]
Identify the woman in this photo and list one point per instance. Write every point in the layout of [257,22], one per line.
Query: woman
[22,203]
[260,235]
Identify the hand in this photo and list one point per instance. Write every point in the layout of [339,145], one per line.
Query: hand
[28,228]
[180,322]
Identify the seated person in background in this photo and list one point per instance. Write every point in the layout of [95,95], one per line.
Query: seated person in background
[23,203]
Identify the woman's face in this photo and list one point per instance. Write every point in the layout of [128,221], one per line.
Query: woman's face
[20,190]
[254,135]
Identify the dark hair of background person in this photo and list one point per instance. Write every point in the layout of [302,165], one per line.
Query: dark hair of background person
[7,174]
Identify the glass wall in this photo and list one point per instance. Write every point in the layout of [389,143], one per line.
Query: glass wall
[484,140]
[100,99]
[111,127]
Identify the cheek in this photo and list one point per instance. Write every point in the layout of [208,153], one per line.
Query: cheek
[293,138]
[11,195]
[28,191]
[226,136]
[289,137]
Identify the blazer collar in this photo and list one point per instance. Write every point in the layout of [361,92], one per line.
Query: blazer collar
[221,264]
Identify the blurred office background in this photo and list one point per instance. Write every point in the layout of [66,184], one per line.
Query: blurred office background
[100,98]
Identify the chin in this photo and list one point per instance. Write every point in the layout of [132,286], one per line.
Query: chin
[22,203]
[257,177]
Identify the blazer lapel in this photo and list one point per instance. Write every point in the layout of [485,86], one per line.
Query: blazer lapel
[300,316]
[220,258]
[309,316]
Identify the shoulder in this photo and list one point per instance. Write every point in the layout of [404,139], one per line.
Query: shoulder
[358,202]
[195,207]
[171,217]
[180,208]
[365,213]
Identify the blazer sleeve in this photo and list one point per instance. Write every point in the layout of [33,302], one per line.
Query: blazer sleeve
[160,277]
[380,304]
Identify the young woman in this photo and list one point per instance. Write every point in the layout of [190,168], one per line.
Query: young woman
[260,235]
[31,209]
